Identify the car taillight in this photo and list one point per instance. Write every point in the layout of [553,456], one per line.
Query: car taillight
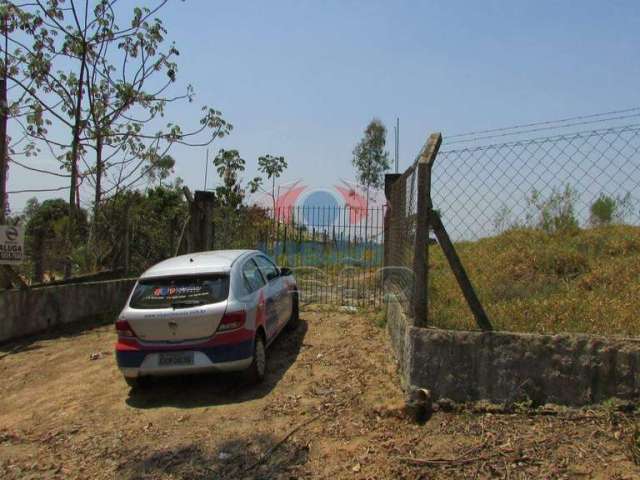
[124,330]
[232,321]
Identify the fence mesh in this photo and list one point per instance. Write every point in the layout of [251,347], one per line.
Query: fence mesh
[547,229]
[401,227]
[484,190]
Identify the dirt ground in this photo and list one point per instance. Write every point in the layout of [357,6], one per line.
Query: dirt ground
[329,408]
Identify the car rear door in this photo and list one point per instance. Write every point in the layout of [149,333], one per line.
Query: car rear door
[278,288]
[178,309]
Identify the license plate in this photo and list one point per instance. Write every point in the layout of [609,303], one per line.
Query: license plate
[175,358]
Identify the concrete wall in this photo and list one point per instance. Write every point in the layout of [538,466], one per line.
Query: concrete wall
[25,312]
[398,325]
[567,369]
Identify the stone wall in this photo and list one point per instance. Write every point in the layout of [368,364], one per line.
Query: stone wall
[35,310]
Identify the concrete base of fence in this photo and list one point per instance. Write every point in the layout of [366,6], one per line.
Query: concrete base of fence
[25,312]
[501,367]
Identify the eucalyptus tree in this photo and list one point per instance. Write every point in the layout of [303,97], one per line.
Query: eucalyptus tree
[371,160]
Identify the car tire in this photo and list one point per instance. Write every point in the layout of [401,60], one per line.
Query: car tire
[294,320]
[257,369]
[137,383]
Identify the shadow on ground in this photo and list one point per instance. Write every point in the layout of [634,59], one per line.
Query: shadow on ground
[69,330]
[190,391]
[235,458]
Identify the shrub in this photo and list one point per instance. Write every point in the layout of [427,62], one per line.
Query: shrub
[556,213]
[606,210]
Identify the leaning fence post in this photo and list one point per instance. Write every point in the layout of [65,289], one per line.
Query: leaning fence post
[460,273]
[421,251]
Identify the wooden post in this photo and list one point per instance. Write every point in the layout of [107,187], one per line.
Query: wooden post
[421,251]
[200,234]
[461,275]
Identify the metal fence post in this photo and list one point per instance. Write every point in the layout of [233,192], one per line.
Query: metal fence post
[421,253]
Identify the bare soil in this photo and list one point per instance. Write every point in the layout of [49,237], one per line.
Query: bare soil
[331,407]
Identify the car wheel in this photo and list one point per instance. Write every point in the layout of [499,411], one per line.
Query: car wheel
[294,320]
[258,367]
[137,382]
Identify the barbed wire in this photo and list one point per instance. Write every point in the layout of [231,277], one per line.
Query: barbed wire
[546,122]
[539,129]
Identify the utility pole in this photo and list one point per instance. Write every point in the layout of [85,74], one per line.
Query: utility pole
[396,131]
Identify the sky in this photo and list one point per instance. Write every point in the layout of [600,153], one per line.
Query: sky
[303,78]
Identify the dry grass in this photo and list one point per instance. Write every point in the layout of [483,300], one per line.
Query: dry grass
[530,281]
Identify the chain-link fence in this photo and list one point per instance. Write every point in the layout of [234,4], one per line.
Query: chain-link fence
[547,229]
[483,190]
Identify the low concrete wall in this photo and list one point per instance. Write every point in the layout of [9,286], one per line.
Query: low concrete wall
[567,369]
[25,312]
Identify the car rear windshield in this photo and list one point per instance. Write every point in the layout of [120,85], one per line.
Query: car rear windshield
[180,292]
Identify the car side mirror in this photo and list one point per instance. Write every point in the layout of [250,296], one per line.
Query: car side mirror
[285,271]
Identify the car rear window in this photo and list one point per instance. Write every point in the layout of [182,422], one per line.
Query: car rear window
[180,292]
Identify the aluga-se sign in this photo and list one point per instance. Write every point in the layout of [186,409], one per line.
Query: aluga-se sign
[11,245]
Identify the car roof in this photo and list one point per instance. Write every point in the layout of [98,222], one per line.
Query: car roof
[214,261]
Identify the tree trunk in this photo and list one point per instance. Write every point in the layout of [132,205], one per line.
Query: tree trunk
[75,151]
[4,147]
[98,194]
[77,120]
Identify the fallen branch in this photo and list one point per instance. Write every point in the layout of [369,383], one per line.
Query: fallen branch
[438,462]
[266,454]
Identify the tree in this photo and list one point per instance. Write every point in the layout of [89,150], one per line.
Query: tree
[272,167]
[46,233]
[153,221]
[371,160]
[64,56]
[229,165]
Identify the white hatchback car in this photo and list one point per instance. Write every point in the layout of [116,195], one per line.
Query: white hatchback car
[207,311]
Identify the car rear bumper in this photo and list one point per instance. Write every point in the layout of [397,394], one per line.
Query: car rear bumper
[134,362]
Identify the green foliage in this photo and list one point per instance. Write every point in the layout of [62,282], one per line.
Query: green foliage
[272,167]
[370,159]
[555,213]
[606,209]
[154,217]
[229,166]
[46,231]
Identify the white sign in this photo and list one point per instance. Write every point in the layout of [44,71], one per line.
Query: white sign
[11,245]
